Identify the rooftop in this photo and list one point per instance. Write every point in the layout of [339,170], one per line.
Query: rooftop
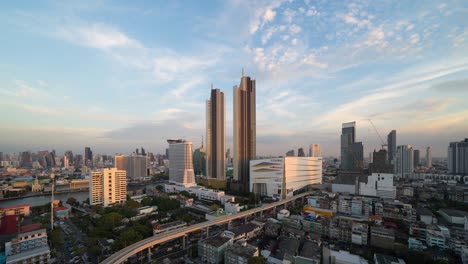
[384,259]
[287,246]
[310,249]
[454,213]
[24,255]
[246,228]
[15,206]
[424,211]
[216,241]
[243,250]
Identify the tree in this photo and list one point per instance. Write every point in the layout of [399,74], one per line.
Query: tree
[214,207]
[159,188]
[127,238]
[72,201]
[111,220]
[185,193]
[256,260]
[56,238]
[147,201]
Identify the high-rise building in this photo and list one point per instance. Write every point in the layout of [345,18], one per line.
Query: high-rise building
[88,157]
[199,160]
[69,154]
[416,157]
[66,162]
[77,162]
[300,152]
[108,187]
[26,159]
[429,157]
[404,163]
[134,165]
[290,153]
[181,163]
[352,152]
[215,136]
[458,157]
[314,150]
[391,142]
[380,162]
[244,130]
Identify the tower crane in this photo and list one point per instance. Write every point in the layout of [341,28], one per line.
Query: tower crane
[376,131]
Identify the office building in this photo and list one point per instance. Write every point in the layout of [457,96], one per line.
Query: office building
[28,247]
[380,162]
[244,130]
[300,152]
[108,187]
[352,152]
[88,157]
[280,177]
[290,153]
[199,160]
[215,136]
[314,150]
[404,164]
[392,148]
[134,165]
[416,161]
[429,157]
[26,159]
[181,162]
[458,157]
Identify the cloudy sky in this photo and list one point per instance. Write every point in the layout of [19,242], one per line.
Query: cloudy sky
[116,76]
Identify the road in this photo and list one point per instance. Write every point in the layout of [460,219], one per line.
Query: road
[122,255]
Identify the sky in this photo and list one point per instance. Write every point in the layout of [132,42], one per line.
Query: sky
[117,75]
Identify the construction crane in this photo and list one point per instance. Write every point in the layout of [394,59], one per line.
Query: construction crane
[376,131]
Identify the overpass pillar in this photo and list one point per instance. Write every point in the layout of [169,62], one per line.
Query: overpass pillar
[149,254]
[184,242]
[207,231]
[246,219]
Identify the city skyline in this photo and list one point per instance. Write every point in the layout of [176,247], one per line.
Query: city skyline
[400,64]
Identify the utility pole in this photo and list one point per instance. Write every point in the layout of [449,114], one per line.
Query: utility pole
[52,203]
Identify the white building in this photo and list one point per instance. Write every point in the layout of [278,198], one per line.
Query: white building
[341,257]
[280,177]
[180,162]
[200,192]
[379,185]
[29,247]
[314,150]
[108,187]
[283,214]
[404,165]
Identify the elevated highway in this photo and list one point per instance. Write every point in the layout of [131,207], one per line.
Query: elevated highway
[122,255]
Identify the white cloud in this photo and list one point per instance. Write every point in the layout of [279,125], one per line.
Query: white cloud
[288,15]
[294,41]
[294,29]
[269,15]
[414,38]
[312,11]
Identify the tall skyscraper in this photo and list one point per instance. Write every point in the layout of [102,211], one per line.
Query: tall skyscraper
[244,130]
[429,157]
[290,153]
[300,152]
[352,152]
[380,162]
[181,163]
[199,160]
[391,142]
[458,157]
[416,157]
[26,159]
[314,150]
[215,136]
[134,165]
[108,187]
[69,154]
[404,163]
[88,157]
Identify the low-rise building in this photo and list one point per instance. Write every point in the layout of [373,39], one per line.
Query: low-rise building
[384,259]
[435,238]
[28,247]
[286,250]
[331,256]
[212,249]
[416,244]
[382,237]
[359,233]
[426,216]
[61,212]
[22,209]
[309,254]
[240,253]
[146,210]
[282,214]
[232,208]
[246,231]
[453,216]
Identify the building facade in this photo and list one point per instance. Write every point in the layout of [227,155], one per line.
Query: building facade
[216,136]
[108,187]
[181,162]
[392,148]
[404,164]
[351,151]
[88,157]
[134,165]
[314,150]
[244,131]
[458,157]
[280,177]
[29,247]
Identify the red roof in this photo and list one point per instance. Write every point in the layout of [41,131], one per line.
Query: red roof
[375,217]
[15,206]
[60,208]
[31,227]
[9,224]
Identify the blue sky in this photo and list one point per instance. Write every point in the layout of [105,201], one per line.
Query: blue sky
[119,75]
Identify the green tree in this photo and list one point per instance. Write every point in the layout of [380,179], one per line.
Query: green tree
[72,201]
[111,220]
[214,207]
[256,260]
[159,188]
[147,201]
[56,238]
[185,193]
[126,238]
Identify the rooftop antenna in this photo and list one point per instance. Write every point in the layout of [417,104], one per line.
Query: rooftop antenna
[211,86]
[242,71]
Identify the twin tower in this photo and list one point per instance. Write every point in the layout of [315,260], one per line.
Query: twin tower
[244,126]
